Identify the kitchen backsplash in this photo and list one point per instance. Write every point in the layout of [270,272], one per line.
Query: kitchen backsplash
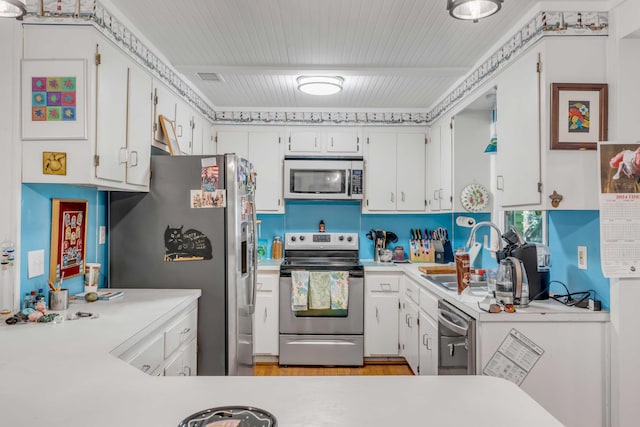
[567,230]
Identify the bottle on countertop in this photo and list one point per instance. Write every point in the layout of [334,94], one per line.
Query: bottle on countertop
[40,296]
[27,302]
[276,248]
[321,226]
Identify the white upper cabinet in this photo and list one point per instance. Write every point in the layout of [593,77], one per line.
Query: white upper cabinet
[323,141]
[184,126]
[518,129]
[439,168]
[395,170]
[116,152]
[164,102]
[264,148]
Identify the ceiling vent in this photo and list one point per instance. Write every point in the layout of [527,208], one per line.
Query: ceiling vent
[210,77]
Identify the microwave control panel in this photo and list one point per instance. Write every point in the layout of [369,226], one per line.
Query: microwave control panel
[356,181]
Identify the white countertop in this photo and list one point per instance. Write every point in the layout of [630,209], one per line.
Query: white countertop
[64,375]
[538,311]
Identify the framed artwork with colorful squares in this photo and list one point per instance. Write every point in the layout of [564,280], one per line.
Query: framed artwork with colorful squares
[54,99]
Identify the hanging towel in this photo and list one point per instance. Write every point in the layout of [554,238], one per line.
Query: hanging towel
[299,290]
[339,290]
[319,290]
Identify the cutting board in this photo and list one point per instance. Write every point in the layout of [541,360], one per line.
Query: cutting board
[437,269]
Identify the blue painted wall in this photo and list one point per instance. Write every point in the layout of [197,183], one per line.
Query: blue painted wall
[567,231]
[36,231]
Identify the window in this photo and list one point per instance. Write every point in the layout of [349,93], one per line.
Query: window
[531,224]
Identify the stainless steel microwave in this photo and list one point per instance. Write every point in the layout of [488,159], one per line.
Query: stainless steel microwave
[323,178]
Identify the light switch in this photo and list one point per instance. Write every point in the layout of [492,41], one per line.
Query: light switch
[35,263]
[103,235]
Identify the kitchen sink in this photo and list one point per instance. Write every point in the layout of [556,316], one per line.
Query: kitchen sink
[450,282]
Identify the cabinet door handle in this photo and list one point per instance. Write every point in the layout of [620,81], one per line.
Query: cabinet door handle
[123,155]
[392,197]
[188,371]
[385,286]
[402,193]
[435,194]
[427,341]
[259,286]
[265,315]
[410,322]
[500,182]
[332,141]
[179,131]
[315,142]
[133,159]
[440,194]
[145,368]
[377,315]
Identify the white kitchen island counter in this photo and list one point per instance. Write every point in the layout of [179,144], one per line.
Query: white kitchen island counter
[64,375]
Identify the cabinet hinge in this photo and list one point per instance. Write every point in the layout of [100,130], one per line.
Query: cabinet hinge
[425,203]
[450,199]
[98,59]
[539,65]
[155,97]
[367,140]
[418,369]
[539,187]
[155,127]
[451,124]
[426,140]
[398,346]
[279,140]
[96,160]
[215,139]
[367,202]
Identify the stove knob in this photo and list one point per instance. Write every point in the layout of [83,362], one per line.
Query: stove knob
[349,239]
[341,238]
[293,238]
[301,238]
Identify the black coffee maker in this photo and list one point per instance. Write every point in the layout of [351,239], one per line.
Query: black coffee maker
[536,260]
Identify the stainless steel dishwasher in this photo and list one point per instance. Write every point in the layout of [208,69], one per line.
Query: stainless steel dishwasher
[457,341]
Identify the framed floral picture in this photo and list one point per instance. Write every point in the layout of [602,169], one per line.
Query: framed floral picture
[68,238]
[54,104]
[578,115]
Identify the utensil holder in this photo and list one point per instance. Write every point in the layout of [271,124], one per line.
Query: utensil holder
[59,300]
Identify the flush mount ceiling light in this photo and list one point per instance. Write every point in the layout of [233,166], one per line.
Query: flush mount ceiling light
[12,8]
[473,9]
[320,85]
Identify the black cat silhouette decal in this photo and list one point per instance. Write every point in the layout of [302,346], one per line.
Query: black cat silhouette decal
[186,246]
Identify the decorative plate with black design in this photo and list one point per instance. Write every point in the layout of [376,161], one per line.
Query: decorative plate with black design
[474,197]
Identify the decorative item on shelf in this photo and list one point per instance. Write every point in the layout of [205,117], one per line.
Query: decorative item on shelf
[555,199]
[321,226]
[579,115]
[474,197]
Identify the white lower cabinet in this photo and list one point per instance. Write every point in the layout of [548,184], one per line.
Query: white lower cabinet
[428,333]
[184,363]
[428,345]
[168,349]
[410,334]
[381,304]
[266,331]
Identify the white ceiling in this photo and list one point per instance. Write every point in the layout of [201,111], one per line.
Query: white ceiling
[393,54]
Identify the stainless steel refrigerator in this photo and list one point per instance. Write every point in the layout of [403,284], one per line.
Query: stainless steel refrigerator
[194,229]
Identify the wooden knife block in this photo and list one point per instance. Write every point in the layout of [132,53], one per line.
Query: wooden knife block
[421,250]
[437,269]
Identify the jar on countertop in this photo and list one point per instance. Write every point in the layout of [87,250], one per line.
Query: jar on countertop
[399,253]
[276,248]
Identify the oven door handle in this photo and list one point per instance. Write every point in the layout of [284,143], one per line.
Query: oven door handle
[454,322]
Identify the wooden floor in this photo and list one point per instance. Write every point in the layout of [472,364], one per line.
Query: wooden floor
[272,369]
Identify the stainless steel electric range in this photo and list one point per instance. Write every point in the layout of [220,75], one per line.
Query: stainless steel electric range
[322,337]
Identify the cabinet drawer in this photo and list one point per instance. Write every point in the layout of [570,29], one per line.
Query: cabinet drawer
[412,290]
[150,357]
[180,332]
[267,282]
[382,282]
[429,303]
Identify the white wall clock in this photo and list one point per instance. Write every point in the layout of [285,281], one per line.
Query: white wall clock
[474,197]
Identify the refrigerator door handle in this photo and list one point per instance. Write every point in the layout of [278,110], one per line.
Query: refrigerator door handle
[254,256]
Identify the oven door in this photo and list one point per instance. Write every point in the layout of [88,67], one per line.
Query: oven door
[349,321]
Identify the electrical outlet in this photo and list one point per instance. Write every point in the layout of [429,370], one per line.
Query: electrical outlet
[582,257]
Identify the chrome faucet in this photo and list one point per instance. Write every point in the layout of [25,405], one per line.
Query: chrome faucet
[472,236]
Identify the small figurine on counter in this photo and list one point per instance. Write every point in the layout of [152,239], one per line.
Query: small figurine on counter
[321,226]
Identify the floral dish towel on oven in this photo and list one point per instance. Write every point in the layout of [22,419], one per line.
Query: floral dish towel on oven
[299,290]
[339,290]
